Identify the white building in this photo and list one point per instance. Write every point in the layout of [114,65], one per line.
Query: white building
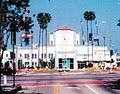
[65,47]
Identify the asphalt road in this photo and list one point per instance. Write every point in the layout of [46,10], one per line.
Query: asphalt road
[67,83]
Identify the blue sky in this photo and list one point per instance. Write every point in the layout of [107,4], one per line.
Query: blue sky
[68,13]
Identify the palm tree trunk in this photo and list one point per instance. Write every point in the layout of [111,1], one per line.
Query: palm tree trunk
[46,46]
[92,40]
[32,48]
[39,45]
[42,42]
[87,41]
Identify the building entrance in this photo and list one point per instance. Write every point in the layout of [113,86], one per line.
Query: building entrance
[67,63]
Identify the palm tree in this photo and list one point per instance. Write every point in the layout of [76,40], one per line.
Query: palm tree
[39,19]
[92,17]
[48,19]
[89,16]
[86,17]
[43,20]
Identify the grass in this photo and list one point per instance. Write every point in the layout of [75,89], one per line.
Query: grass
[91,69]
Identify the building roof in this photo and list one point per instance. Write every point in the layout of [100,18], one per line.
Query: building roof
[63,29]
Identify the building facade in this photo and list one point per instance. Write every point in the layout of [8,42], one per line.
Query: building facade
[66,48]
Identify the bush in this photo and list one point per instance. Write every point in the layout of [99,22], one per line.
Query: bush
[90,65]
[90,69]
[8,71]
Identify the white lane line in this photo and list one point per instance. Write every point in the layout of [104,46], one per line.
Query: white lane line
[92,89]
[73,87]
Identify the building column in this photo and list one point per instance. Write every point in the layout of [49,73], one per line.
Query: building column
[75,60]
[56,60]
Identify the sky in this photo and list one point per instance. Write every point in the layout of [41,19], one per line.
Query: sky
[68,14]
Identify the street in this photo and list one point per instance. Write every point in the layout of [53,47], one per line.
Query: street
[66,83]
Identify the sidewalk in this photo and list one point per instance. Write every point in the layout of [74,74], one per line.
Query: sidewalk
[48,72]
[9,89]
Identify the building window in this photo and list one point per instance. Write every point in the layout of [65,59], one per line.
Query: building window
[26,56]
[6,55]
[20,55]
[45,56]
[51,42]
[32,56]
[51,55]
[35,56]
[71,63]
[27,64]
[60,62]
[32,64]
[41,55]
[77,42]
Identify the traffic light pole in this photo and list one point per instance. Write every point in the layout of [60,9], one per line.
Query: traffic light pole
[13,42]
[13,68]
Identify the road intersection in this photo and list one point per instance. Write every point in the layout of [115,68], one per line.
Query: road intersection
[67,82]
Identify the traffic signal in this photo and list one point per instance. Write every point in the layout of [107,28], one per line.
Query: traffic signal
[90,36]
[13,29]
[111,52]
[13,38]
[12,55]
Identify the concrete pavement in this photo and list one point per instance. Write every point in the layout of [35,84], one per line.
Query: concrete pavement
[28,87]
[48,72]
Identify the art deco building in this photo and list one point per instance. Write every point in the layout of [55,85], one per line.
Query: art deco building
[66,48]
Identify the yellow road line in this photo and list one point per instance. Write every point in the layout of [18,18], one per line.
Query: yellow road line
[55,90]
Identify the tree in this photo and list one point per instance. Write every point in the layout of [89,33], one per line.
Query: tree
[89,16]
[86,17]
[11,21]
[43,20]
[39,19]
[7,70]
[52,62]
[92,18]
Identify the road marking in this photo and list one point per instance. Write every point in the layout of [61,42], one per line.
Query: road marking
[73,87]
[92,89]
[55,91]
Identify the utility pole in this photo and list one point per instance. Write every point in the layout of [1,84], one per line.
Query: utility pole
[111,51]
[13,43]
[104,49]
